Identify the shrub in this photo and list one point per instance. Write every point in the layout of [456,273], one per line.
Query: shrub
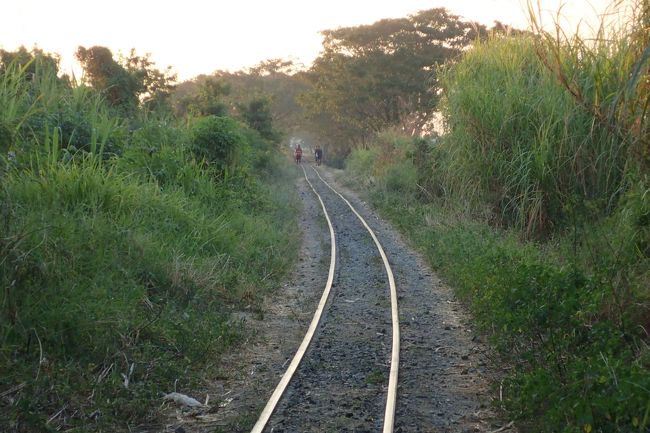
[401,177]
[217,140]
[361,164]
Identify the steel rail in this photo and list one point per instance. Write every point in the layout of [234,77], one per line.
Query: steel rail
[286,378]
[391,397]
[389,415]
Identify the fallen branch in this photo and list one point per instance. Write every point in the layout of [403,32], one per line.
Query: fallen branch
[13,389]
[505,427]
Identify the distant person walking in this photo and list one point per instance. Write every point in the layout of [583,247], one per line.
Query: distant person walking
[298,154]
[318,153]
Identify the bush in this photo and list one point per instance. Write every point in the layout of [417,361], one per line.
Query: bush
[217,140]
[361,165]
[401,177]
[388,157]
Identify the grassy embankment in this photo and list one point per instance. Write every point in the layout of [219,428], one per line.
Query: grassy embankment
[124,246]
[535,206]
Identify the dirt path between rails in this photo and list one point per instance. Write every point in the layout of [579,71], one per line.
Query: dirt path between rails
[341,384]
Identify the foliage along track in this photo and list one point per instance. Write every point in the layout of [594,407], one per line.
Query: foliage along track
[342,382]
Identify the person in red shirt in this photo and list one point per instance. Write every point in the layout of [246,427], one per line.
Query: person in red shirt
[298,154]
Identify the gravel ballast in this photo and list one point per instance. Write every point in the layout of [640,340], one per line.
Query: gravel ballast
[341,384]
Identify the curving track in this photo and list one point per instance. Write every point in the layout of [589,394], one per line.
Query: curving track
[342,382]
[344,374]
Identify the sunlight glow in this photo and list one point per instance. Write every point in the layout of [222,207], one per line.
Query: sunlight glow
[197,37]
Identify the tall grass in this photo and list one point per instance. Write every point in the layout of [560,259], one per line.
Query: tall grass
[17,105]
[550,134]
[607,75]
[121,258]
[520,139]
[568,316]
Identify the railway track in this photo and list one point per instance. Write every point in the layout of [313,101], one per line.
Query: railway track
[344,374]
[339,379]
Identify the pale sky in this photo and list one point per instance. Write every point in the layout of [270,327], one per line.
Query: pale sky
[199,37]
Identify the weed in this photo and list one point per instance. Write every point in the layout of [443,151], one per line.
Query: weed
[375,378]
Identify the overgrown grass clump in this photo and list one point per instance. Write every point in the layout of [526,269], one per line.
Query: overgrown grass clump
[535,206]
[122,254]
[523,142]
[568,315]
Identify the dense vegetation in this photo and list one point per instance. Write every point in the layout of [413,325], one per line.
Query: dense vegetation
[128,237]
[535,205]
[136,214]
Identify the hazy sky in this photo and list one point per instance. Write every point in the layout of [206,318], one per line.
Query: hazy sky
[195,36]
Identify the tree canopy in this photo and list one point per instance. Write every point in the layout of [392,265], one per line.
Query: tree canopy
[265,96]
[128,82]
[30,60]
[383,75]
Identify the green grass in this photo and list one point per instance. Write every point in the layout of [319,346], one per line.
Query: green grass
[572,356]
[535,207]
[102,269]
[122,258]
[375,378]
[519,139]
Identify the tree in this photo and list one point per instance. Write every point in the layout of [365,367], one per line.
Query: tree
[30,60]
[265,96]
[281,82]
[128,83]
[376,76]
[106,75]
[274,67]
[210,97]
[157,85]
[257,115]
[203,96]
